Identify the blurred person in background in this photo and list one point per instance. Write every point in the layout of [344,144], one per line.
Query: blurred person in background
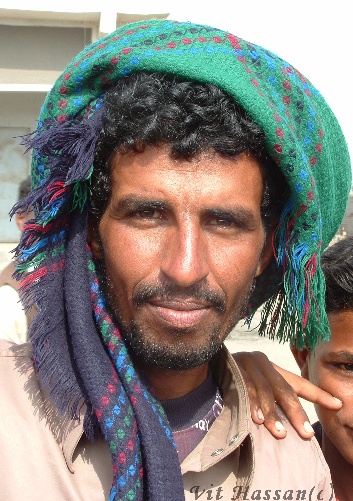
[14,319]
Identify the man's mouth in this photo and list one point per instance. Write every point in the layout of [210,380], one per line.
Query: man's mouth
[178,313]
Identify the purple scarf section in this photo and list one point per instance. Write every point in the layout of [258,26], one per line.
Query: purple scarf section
[77,349]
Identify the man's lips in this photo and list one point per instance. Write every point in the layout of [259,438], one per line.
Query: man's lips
[179,314]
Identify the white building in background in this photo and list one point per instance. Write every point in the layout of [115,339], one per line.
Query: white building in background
[36,46]
[346,228]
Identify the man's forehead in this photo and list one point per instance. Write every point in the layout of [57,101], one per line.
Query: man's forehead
[165,153]
[161,157]
[155,171]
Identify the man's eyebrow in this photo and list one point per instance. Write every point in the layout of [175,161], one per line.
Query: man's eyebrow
[240,215]
[132,203]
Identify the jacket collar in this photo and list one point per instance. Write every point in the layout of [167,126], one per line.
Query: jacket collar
[232,426]
[229,430]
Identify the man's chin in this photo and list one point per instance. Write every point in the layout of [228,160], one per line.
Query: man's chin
[163,357]
[174,349]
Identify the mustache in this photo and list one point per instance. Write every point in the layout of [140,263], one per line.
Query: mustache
[169,291]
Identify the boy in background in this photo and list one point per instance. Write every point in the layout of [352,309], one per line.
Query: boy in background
[330,366]
[14,319]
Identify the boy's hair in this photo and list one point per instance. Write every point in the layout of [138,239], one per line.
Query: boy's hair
[337,265]
[152,109]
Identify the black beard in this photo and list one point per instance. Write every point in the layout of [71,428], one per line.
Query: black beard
[179,356]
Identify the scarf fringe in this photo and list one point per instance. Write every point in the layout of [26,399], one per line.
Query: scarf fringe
[41,256]
[296,314]
[64,181]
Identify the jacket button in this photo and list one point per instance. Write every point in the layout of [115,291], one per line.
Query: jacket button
[217,452]
[233,439]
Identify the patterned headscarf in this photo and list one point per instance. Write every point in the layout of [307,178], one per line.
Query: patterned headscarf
[77,349]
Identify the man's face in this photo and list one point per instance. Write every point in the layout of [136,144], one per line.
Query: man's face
[330,366]
[181,243]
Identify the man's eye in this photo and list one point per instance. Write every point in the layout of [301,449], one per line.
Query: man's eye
[148,214]
[222,222]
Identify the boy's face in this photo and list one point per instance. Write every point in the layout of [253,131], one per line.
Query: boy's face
[330,366]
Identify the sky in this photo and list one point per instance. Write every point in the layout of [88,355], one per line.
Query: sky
[313,35]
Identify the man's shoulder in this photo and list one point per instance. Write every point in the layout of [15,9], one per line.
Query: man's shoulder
[23,396]
[41,449]
[10,349]
[9,299]
[6,277]
[279,463]
[16,370]
[12,354]
[291,457]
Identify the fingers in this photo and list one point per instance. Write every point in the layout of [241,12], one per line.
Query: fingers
[303,388]
[289,402]
[261,396]
[267,387]
[272,421]
[255,408]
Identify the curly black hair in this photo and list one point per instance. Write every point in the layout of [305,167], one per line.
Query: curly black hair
[337,265]
[151,109]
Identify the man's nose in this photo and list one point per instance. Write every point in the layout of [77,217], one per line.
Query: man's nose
[185,257]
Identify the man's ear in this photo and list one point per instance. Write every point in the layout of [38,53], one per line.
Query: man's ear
[93,238]
[266,256]
[302,359]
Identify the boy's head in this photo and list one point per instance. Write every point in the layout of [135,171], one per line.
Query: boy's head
[330,364]
[23,190]
[337,265]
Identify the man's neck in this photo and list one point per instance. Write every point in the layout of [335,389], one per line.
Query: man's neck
[168,384]
[341,470]
[184,412]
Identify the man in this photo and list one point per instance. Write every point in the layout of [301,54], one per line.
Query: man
[14,320]
[167,155]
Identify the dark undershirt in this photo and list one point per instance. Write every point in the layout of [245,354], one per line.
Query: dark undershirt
[192,415]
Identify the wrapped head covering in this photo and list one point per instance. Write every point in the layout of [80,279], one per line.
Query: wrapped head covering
[79,365]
